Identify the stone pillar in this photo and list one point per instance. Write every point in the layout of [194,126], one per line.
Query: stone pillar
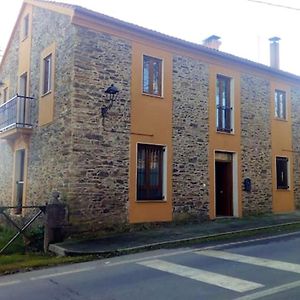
[55,222]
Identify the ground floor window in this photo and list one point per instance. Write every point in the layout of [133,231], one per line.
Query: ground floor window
[282,172]
[150,172]
[19,176]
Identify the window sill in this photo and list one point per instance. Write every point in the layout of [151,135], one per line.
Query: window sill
[152,95]
[45,94]
[280,119]
[150,201]
[225,132]
[283,190]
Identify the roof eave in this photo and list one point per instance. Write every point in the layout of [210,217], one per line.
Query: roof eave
[82,12]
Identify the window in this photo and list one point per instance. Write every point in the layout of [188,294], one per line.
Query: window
[282,172]
[47,74]
[23,85]
[152,76]
[5,94]
[21,107]
[25,27]
[150,169]
[280,104]
[19,176]
[223,103]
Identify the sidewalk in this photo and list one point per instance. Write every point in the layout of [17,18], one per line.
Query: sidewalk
[171,235]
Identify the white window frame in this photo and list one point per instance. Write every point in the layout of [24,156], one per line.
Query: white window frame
[25,29]
[47,60]
[232,102]
[280,117]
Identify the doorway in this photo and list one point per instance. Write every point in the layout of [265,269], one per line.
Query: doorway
[22,100]
[224,184]
[19,179]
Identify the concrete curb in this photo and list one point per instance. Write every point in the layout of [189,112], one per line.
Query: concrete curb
[61,251]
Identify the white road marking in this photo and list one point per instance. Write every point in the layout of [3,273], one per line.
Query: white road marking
[271,291]
[10,282]
[168,254]
[189,250]
[257,261]
[227,282]
[62,273]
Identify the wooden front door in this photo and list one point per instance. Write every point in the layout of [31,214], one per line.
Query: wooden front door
[223,188]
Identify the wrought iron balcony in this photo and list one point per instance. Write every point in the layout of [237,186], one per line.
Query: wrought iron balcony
[15,116]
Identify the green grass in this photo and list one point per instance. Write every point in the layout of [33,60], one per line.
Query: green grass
[17,246]
[21,257]
[25,262]
[22,244]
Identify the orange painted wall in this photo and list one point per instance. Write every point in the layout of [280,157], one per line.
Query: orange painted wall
[151,122]
[25,45]
[24,67]
[283,200]
[225,142]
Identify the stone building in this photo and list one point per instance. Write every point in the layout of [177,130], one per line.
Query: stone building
[194,132]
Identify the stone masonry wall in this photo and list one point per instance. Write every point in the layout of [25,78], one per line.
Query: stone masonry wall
[256,156]
[50,145]
[190,137]
[295,99]
[9,73]
[100,158]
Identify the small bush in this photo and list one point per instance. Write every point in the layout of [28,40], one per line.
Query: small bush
[16,247]
[22,244]
[36,235]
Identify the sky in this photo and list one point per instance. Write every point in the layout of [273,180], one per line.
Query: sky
[243,25]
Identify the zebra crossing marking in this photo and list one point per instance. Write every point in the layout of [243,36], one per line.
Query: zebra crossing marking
[257,261]
[271,291]
[224,281]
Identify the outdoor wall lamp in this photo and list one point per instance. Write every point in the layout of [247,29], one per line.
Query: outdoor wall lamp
[111,95]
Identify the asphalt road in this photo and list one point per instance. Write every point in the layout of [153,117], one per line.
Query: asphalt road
[267,268]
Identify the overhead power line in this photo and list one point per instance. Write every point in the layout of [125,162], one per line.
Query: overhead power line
[274,4]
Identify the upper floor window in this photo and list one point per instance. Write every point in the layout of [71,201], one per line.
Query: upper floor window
[224,104]
[152,76]
[280,104]
[150,172]
[25,27]
[23,85]
[282,172]
[5,94]
[47,74]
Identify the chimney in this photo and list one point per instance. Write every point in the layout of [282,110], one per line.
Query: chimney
[212,42]
[274,52]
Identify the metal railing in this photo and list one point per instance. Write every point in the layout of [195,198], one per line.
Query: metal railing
[15,113]
[41,209]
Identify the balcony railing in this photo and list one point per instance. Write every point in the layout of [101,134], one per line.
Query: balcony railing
[15,113]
